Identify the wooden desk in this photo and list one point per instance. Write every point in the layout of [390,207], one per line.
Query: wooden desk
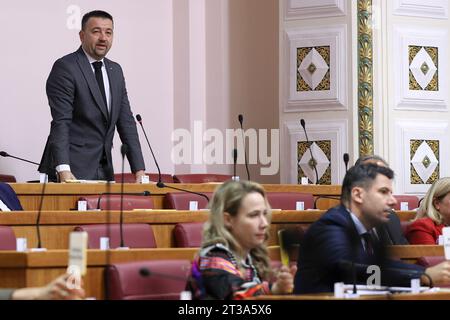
[62,196]
[442,295]
[30,269]
[56,225]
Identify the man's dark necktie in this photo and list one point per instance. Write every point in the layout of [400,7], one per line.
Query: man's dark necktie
[99,76]
[369,242]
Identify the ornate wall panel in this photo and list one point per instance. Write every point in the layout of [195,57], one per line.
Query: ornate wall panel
[307,9]
[317,69]
[422,155]
[420,69]
[328,143]
[437,9]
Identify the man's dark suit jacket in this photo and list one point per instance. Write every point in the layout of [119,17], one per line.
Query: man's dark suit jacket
[9,197]
[327,248]
[82,130]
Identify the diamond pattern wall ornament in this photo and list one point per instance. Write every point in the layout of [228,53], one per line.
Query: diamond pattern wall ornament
[313,68]
[424,162]
[321,159]
[423,68]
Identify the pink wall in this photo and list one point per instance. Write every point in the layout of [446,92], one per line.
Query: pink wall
[157,42]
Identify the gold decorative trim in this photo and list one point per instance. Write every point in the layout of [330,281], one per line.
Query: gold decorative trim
[325,146]
[365,78]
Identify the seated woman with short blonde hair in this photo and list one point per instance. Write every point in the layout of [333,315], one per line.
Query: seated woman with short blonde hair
[432,216]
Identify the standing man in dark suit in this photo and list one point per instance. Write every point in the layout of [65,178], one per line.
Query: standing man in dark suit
[344,235]
[88,100]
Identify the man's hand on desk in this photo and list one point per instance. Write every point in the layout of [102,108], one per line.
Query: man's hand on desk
[66,175]
[139,174]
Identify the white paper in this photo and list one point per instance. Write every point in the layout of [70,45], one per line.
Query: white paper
[104,243]
[193,205]
[404,206]
[446,235]
[304,180]
[299,205]
[21,244]
[145,179]
[78,251]
[82,205]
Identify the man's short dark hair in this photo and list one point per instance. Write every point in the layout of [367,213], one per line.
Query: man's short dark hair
[95,14]
[362,176]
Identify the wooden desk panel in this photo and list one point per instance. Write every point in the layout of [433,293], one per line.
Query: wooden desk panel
[30,269]
[62,196]
[56,225]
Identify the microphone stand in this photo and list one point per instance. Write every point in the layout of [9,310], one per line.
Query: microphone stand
[5,154]
[314,164]
[241,120]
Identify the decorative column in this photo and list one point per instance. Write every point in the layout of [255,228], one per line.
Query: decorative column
[365,78]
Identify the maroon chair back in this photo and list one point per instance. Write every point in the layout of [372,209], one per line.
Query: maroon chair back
[135,235]
[166,279]
[130,178]
[7,238]
[188,235]
[413,201]
[130,202]
[7,178]
[429,261]
[201,178]
[180,200]
[288,200]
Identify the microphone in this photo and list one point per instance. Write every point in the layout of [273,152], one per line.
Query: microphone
[143,193]
[38,218]
[325,197]
[139,119]
[146,272]
[123,151]
[161,184]
[346,159]
[313,161]
[6,154]
[235,155]
[241,120]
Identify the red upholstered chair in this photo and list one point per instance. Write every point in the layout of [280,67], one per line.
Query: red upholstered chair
[7,238]
[201,178]
[288,200]
[413,201]
[180,200]
[429,261]
[139,235]
[188,235]
[130,178]
[130,202]
[7,178]
[165,280]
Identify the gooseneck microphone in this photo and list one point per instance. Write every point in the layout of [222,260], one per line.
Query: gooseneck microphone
[161,184]
[313,161]
[346,159]
[38,218]
[241,120]
[6,155]
[123,151]
[139,119]
[235,155]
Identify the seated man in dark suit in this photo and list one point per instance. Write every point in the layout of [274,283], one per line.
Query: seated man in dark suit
[8,198]
[344,235]
[391,232]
